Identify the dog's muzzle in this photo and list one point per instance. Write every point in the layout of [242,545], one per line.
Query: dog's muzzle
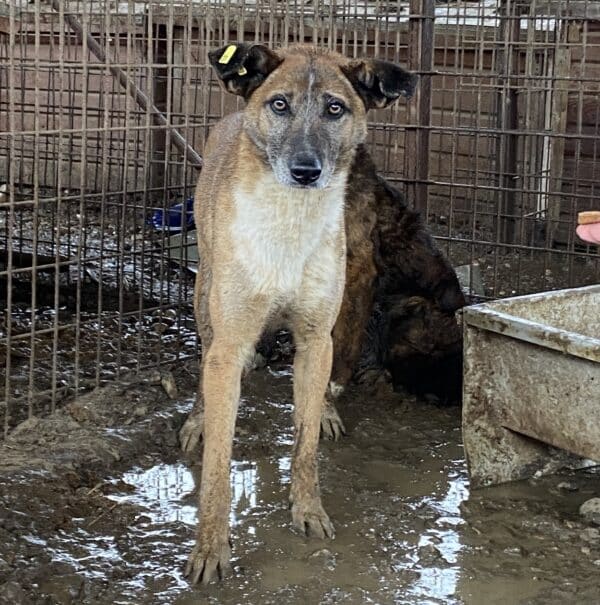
[305,169]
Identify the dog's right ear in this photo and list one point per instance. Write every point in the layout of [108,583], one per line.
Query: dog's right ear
[242,67]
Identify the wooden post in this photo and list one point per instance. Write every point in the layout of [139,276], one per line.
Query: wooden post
[560,99]
[507,124]
[420,52]
[159,94]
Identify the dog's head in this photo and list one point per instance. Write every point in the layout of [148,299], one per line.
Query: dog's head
[306,108]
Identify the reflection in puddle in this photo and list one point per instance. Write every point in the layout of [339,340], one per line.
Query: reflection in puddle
[162,491]
[167,492]
[243,491]
[439,582]
[285,465]
[87,553]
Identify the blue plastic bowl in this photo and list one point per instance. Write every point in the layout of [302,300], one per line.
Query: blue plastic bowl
[175,217]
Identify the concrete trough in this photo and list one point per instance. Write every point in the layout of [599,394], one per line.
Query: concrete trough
[531,396]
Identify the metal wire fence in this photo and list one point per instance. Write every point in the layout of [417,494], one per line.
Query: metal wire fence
[104,104]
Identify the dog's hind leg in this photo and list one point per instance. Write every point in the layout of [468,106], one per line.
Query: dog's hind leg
[332,426]
[312,367]
[349,333]
[233,343]
[191,432]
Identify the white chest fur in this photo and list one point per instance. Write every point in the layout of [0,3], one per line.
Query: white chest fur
[277,230]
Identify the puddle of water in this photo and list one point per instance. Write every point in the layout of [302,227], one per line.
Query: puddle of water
[161,491]
[89,554]
[407,530]
[35,540]
[440,581]
[167,492]
[376,557]
[284,372]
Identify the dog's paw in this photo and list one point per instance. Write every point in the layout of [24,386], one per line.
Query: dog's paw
[373,377]
[208,562]
[332,426]
[191,432]
[309,518]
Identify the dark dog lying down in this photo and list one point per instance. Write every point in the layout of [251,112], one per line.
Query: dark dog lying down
[401,293]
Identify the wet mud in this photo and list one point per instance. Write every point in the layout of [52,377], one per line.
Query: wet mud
[97,506]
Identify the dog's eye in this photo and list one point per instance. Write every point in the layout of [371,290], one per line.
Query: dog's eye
[279,105]
[335,109]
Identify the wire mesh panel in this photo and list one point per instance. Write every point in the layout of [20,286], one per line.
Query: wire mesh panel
[514,140]
[105,105]
[89,289]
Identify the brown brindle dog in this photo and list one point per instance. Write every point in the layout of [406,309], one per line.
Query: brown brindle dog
[269,207]
[400,300]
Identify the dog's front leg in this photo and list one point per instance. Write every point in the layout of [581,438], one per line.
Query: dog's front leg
[191,432]
[221,386]
[312,367]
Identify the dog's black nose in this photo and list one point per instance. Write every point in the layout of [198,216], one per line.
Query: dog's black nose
[305,169]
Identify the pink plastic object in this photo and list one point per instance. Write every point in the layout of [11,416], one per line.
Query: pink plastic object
[589,233]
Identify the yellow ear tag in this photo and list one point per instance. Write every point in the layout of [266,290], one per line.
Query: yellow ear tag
[229,52]
[242,71]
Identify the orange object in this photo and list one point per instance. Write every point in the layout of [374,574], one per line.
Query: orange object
[588,217]
[588,228]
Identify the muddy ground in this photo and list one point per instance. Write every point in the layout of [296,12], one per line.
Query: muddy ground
[97,507]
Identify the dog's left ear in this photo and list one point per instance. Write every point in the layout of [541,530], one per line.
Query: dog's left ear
[242,67]
[380,83]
